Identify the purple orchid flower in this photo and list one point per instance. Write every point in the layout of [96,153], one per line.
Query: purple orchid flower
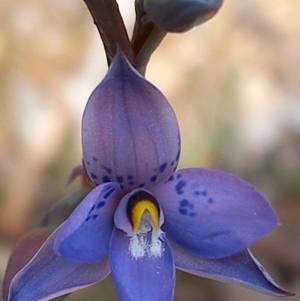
[143,219]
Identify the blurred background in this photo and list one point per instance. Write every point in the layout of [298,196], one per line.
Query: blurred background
[234,84]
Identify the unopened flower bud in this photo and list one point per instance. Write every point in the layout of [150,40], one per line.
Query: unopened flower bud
[180,15]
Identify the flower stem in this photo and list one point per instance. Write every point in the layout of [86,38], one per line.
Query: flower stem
[109,22]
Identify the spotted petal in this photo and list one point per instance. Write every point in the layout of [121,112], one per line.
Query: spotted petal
[180,15]
[129,131]
[213,214]
[49,275]
[84,237]
[242,269]
[147,279]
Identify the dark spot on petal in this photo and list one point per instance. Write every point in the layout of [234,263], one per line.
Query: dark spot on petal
[106,179]
[153,178]
[141,185]
[130,177]
[93,216]
[100,204]
[178,155]
[186,208]
[197,193]
[179,186]
[200,193]
[122,186]
[93,207]
[108,193]
[107,169]
[120,179]
[131,183]
[184,203]
[162,167]
[210,200]
[95,159]
[171,179]
[172,163]
[94,176]
[219,234]
[107,187]
[204,193]
[178,176]
[88,162]
[183,211]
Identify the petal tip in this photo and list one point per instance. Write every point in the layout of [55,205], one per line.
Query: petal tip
[121,66]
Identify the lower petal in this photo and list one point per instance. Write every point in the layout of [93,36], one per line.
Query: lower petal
[242,269]
[147,279]
[48,276]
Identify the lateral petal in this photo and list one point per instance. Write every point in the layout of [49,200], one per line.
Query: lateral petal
[242,269]
[84,237]
[213,214]
[48,275]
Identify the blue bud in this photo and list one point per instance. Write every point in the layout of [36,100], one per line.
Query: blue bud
[180,15]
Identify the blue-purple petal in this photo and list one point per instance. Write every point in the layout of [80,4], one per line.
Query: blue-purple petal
[241,268]
[130,133]
[49,275]
[213,214]
[84,237]
[147,279]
